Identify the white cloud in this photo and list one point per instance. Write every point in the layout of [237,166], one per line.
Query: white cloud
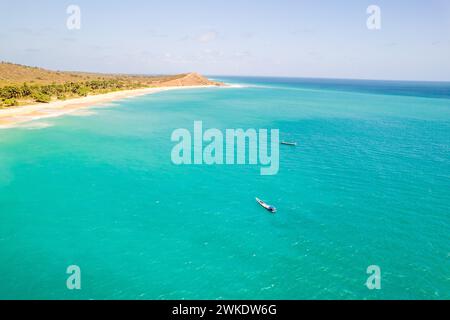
[207,37]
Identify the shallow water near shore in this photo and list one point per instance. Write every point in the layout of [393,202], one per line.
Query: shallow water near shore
[366,185]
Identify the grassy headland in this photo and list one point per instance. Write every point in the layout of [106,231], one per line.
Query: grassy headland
[23,85]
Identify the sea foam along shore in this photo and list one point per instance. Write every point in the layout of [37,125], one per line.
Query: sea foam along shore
[12,117]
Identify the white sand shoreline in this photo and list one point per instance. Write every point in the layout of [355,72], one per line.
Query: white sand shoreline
[12,117]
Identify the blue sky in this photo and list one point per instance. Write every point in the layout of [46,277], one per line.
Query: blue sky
[321,38]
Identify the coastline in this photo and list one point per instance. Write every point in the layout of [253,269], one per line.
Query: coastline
[12,117]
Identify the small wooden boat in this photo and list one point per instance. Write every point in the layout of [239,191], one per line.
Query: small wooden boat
[266,206]
[289,143]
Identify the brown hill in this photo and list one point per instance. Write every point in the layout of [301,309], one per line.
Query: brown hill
[15,74]
[21,85]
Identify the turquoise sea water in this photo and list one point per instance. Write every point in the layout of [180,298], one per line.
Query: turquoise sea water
[368,184]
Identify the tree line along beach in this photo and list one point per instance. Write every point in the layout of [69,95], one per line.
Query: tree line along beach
[28,93]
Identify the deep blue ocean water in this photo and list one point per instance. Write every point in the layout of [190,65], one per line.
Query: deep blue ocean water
[367,184]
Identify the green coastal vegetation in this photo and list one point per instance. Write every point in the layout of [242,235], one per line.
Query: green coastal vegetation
[12,94]
[21,85]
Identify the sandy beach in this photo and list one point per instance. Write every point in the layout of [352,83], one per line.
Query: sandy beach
[13,116]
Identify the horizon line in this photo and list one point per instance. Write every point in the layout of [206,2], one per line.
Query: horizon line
[234,75]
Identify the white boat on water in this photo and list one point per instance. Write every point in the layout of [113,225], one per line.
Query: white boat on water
[289,143]
[266,206]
